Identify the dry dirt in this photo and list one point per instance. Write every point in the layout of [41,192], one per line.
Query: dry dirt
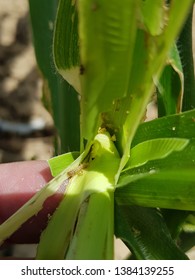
[25,126]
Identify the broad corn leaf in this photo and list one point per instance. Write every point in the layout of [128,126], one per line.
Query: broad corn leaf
[172,189]
[177,126]
[59,98]
[145,233]
[66,46]
[155,149]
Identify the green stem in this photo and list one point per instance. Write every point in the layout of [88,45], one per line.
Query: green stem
[82,226]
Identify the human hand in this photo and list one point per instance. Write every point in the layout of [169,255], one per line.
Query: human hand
[18,183]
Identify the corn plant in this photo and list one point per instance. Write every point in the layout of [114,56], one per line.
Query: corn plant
[122,176]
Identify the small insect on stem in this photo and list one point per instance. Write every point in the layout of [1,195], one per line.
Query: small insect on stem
[82,69]
[77,170]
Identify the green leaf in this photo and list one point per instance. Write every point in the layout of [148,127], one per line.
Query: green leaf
[126,114]
[94,246]
[172,189]
[185,47]
[170,86]
[62,99]
[66,46]
[154,149]
[144,231]
[42,27]
[177,12]
[148,66]
[183,159]
[59,163]
[181,125]
[66,49]
[177,126]
[154,15]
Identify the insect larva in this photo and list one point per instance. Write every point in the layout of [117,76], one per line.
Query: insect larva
[82,69]
[77,170]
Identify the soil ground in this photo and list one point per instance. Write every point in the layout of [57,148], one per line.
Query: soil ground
[25,126]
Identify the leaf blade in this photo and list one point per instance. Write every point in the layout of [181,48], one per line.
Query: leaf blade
[178,126]
[160,189]
[155,149]
[145,233]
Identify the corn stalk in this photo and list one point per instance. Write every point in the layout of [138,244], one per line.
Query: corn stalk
[114,54]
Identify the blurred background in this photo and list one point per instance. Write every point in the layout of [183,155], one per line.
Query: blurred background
[26,128]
